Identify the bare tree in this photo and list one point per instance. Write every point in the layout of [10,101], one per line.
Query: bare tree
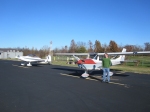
[72,46]
[113,46]
[137,48]
[64,49]
[57,50]
[26,51]
[105,48]
[44,51]
[129,48]
[147,46]
[98,47]
[90,49]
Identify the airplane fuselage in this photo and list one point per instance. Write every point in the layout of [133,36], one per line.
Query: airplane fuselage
[32,59]
[29,59]
[93,64]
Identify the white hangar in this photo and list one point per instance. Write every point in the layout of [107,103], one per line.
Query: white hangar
[6,53]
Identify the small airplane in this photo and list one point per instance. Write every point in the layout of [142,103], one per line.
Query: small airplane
[90,64]
[33,59]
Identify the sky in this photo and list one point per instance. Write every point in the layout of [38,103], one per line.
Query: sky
[34,23]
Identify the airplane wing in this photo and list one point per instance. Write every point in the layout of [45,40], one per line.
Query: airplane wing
[36,60]
[32,60]
[67,54]
[111,53]
[29,59]
[126,53]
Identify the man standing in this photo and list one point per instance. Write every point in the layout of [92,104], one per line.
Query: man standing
[106,62]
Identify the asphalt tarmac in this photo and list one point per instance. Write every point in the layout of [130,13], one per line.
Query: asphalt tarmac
[51,88]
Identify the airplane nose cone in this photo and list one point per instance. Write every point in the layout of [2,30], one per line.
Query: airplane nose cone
[80,62]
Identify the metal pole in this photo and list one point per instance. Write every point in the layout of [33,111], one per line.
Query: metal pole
[50,47]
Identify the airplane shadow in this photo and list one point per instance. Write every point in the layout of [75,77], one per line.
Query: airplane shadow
[116,71]
[75,72]
[39,65]
[121,75]
[79,72]
[33,65]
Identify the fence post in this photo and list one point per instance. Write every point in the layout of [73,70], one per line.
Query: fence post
[142,63]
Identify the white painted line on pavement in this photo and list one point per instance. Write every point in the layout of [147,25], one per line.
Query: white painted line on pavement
[19,66]
[88,78]
[69,75]
[117,83]
[91,79]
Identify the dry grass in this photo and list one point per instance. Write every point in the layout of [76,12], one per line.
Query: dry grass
[134,69]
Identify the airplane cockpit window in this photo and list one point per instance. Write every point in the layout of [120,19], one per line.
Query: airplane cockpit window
[93,56]
[114,57]
[32,55]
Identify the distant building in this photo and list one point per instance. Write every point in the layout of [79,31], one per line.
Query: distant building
[7,53]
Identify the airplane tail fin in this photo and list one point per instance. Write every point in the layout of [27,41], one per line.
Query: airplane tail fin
[48,59]
[77,58]
[121,57]
[88,56]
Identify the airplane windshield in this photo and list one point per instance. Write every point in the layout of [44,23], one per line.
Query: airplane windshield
[95,56]
[32,55]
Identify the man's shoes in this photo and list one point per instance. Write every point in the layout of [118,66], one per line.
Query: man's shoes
[102,81]
[107,81]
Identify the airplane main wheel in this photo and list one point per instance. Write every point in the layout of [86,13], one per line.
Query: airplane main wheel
[22,64]
[111,73]
[85,75]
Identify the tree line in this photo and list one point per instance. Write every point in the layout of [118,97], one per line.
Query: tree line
[82,47]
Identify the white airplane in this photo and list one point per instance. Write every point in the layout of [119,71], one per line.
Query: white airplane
[32,59]
[95,63]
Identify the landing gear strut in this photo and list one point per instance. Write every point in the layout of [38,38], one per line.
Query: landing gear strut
[85,74]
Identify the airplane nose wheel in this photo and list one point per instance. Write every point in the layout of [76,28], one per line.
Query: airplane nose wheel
[22,64]
[85,74]
[29,64]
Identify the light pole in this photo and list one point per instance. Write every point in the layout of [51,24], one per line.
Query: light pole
[50,47]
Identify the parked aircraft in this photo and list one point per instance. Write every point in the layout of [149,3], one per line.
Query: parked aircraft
[33,59]
[95,63]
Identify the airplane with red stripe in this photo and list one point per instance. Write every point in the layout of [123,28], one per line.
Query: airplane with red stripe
[95,63]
